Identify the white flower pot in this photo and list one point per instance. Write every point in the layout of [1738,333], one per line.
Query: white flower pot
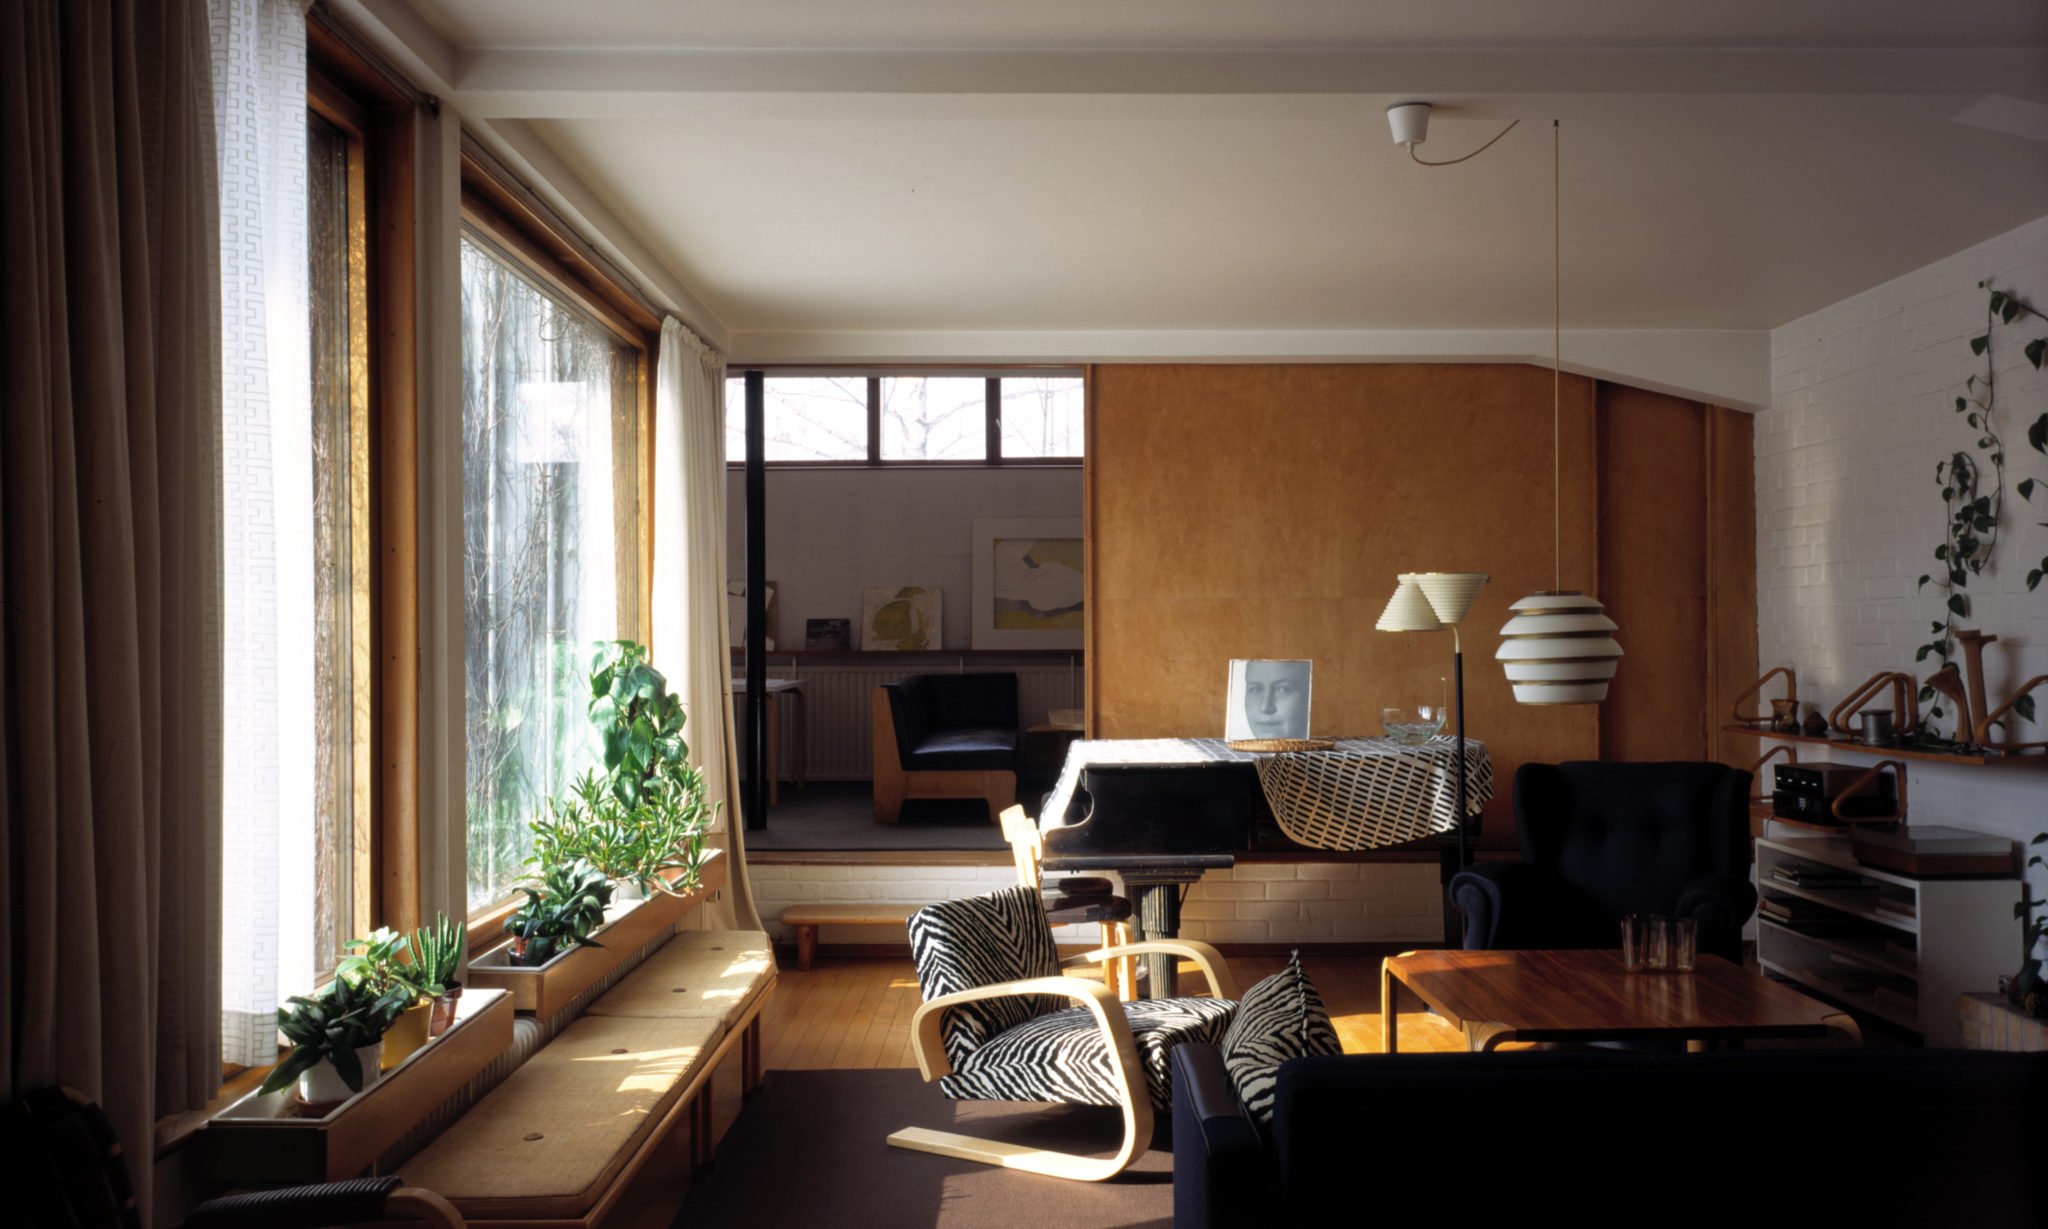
[321,1084]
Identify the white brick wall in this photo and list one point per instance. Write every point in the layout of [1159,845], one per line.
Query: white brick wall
[1848,513]
[1258,903]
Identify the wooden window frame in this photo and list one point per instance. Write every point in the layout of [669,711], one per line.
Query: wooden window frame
[876,373]
[506,215]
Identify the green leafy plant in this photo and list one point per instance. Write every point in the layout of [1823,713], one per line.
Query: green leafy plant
[437,952]
[1973,493]
[2028,989]
[332,1026]
[644,818]
[562,909]
[383,962]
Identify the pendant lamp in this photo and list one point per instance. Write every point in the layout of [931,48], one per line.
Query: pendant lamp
[1559,647]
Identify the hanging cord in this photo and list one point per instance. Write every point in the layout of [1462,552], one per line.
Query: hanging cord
[1420,160]
[1556,362]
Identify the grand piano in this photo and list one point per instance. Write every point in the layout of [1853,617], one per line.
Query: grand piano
[1161,813]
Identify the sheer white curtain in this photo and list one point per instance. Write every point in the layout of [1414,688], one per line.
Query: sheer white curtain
[689,634]
[259,69]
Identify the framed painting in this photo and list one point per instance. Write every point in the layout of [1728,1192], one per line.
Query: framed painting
[900,618]
[736,612]
[1028,589]
[1267,698]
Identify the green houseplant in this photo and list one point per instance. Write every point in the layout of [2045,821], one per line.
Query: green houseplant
[560,911]
[337,1037]
[385,963]
[437,954]
[2028,989]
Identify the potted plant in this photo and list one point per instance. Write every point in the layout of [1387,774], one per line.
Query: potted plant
[649,804]
[2028,989]
[337,1040]
[560,911]
[437,955]
[383,963]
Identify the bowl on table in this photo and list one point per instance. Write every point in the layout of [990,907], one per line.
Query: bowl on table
[1414,724]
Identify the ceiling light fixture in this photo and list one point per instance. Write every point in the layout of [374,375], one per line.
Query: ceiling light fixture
[1559,648]
[1410,124]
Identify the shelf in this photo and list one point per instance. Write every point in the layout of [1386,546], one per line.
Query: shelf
[1891,753]
[1839,903]
[1831,851]
[1876,962]
[1834,994]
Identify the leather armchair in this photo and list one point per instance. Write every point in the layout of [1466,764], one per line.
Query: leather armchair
[945,736]
[1601,841]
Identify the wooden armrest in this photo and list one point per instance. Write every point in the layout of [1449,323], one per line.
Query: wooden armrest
[932,1061]
[1208,959]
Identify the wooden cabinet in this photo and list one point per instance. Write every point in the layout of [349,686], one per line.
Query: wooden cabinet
[1888,946]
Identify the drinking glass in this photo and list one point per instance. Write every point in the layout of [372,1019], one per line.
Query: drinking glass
[1657,943]
[1635,932]
[1684,944]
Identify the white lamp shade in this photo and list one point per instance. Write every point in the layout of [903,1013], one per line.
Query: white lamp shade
[1408,610]
[1450,594]
[1559,648]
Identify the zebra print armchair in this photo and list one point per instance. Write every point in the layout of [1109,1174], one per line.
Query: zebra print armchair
[993,1027]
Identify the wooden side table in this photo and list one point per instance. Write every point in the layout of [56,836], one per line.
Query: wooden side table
[778,689]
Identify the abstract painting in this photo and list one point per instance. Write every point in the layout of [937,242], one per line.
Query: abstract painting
[1029,590]
[903,618]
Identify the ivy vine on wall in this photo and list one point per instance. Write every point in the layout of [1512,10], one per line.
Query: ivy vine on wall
[1973,486]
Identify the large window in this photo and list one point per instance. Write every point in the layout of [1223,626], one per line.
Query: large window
[910,417]
[550,428]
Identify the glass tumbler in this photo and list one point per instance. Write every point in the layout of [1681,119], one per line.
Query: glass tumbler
[1635,933]
[1684,944]
[1657,943]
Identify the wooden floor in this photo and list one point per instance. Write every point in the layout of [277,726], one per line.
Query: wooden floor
[851,1012]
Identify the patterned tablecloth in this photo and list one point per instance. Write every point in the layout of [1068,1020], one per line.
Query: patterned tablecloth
[1366,793]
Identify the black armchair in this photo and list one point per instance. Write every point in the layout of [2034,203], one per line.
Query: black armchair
[1602,841]
[945,736]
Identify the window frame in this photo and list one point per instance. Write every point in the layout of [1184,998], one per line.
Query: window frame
[875,373]
[521,231]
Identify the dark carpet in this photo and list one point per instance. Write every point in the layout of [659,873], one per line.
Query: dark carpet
[840,815]
[809,1150]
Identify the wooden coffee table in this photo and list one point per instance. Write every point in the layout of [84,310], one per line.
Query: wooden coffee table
[1497,997]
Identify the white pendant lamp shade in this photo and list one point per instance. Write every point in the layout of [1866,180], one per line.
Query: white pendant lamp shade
[1450,594]
[1559,648]
[1408,610]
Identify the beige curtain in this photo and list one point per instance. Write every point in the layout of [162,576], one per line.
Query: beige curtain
[109,558]
[689,635]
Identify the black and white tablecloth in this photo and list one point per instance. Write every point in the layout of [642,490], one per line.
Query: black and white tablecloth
[1365,793]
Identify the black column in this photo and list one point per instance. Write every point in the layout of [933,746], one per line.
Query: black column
[755,741]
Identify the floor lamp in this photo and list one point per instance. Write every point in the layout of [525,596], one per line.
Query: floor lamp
[1430,602]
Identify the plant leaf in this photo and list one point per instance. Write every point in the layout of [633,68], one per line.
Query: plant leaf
[1979,343]
[2037,352]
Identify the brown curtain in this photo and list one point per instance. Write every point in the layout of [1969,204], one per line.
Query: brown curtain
[109,558]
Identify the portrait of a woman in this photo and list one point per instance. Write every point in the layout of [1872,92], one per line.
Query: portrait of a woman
[1268,699]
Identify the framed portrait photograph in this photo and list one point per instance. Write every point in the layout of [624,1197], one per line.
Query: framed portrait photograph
[1268,698]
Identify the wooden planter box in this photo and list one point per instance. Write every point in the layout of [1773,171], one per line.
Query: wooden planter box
[261,1140]
[544,989]
[1991,1023]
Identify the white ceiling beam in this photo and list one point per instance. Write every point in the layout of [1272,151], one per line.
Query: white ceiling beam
[1728,367]
[593,84]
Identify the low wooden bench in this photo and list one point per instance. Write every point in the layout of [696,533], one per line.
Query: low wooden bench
[607,1123]
[807,918]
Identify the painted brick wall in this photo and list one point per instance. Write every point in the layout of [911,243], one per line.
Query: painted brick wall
[1848,513]
[1260,903]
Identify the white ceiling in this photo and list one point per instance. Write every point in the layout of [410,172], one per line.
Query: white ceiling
[926,166]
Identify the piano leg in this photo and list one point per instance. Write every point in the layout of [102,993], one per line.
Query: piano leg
[1159,917]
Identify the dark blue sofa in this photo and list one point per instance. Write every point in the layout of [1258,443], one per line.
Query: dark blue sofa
[1767,1137]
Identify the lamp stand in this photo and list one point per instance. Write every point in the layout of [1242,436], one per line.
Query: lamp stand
[1454,936]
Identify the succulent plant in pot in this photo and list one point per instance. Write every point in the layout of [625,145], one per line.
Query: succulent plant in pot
[437,955]
[384,962]
[560,912]
[337,1037]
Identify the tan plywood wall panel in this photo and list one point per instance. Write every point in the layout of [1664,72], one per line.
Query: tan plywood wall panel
[1264,511]
[1653,570]
[1731,542]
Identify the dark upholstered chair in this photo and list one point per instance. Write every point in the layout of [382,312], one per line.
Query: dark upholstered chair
[996,1025]
[945,736]
[1602,841]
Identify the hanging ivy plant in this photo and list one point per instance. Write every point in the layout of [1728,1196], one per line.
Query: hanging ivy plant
[1973,486]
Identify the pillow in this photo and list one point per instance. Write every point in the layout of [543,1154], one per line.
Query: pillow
[1280,1018]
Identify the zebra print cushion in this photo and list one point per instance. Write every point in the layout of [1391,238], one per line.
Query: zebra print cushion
[1064,1056]
[1280,1018]
[979,941]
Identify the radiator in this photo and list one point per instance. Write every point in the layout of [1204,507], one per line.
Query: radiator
[837,699]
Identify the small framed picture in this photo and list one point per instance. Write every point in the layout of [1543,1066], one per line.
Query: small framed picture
[831,634]
[1268,698]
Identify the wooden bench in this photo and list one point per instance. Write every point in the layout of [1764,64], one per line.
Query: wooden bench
[606,1124]
[807,918]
